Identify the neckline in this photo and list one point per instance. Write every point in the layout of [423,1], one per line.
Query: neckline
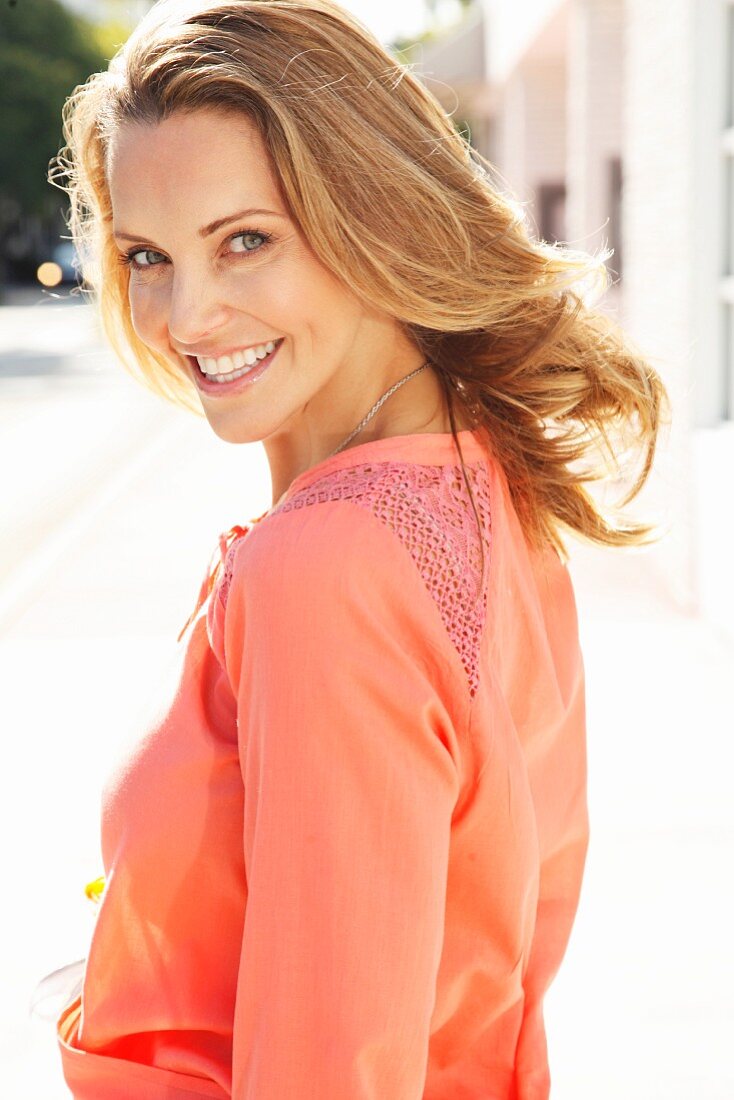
[425,448]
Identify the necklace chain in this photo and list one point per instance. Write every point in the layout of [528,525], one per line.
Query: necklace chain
[375,407]
[359,427]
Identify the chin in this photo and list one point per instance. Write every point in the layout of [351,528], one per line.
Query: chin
[229,432]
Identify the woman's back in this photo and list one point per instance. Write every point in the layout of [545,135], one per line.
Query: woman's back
[345,859]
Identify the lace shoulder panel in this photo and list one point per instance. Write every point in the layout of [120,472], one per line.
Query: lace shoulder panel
[429,509]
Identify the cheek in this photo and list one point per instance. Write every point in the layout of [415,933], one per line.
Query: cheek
[147,314]
[308,291]
[321,302]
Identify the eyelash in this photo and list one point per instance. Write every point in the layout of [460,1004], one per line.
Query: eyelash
[127,260]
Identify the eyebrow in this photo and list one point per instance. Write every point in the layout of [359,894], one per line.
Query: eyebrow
[207,230]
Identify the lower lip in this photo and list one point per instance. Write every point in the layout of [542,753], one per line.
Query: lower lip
[227,389]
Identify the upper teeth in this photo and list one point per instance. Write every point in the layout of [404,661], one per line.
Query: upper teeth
[238,359]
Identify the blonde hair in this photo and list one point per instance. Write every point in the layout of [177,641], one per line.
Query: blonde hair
[394,201]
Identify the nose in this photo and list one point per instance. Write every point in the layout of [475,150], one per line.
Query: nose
[195,311]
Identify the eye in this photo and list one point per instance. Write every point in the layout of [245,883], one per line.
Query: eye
[131,257]
[247,236]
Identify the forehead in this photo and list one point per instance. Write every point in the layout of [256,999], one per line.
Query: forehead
[190,165]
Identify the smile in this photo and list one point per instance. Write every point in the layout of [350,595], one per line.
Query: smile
[235,364]
[218,383]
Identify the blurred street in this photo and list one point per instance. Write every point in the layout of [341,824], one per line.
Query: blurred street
[111,505]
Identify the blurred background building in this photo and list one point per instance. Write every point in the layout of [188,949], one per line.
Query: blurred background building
[614,121]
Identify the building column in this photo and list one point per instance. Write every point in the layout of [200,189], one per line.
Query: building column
[594,113]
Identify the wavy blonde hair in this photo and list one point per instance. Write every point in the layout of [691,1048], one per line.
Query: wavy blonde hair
[395,202]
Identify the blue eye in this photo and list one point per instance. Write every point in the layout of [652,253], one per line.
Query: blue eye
[246,234]
[146,252]
[128,258]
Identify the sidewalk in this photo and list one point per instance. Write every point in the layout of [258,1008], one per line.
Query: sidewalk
[69,418]
[642,1007]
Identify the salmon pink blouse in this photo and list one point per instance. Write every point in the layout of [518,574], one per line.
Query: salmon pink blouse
[343,861]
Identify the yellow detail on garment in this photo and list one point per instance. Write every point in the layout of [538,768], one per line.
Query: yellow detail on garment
[95,889]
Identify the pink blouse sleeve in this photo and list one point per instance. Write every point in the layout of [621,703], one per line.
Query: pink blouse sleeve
[351,770]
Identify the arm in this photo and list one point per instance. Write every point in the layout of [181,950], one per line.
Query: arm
[350,767]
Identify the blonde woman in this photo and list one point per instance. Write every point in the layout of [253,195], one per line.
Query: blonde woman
[345,862]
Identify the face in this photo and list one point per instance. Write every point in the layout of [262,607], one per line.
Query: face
[220,274]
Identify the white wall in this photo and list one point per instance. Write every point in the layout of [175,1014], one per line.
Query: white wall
[511,28]
[595,110]
[531,127]
[661,267]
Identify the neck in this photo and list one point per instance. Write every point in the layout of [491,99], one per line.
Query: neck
[393,421]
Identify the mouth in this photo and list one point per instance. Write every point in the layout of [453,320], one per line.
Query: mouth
[236,380]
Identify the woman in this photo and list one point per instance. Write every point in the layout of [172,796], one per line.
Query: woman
[345,862]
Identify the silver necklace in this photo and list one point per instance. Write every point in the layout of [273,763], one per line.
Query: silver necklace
[361,424]
[375,407]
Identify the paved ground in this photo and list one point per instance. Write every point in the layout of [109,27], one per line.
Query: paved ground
[113,502]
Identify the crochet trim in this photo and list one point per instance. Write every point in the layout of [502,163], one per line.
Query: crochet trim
[429,509]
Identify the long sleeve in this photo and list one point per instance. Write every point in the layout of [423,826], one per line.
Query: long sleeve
[350,763]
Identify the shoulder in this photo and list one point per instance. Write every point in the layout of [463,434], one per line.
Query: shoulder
[405,510]
[330,556]
[398,540]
